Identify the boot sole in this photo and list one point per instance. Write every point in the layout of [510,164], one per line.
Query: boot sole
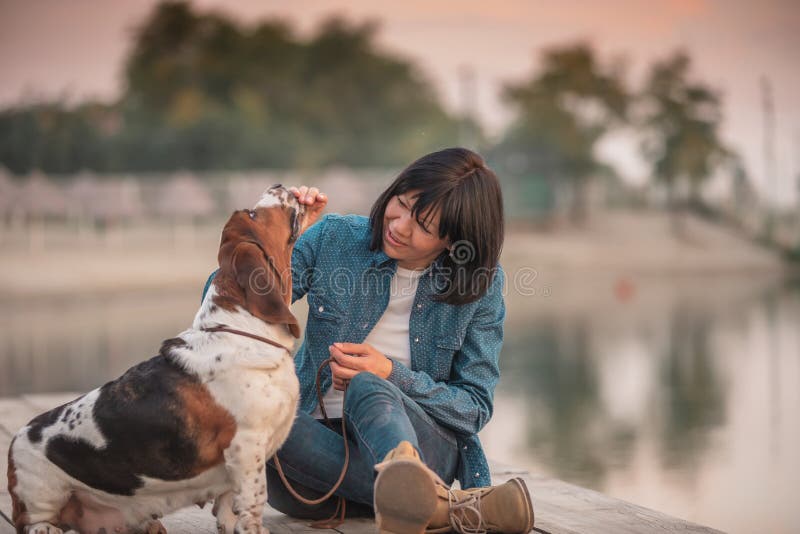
[528,501]
[405,498]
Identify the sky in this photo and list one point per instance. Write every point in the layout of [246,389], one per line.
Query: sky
[75,49]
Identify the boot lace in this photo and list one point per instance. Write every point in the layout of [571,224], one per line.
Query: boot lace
[465,514]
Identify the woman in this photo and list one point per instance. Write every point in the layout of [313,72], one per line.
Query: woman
[408,304]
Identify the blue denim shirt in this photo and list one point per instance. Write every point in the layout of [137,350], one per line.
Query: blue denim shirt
[454,349]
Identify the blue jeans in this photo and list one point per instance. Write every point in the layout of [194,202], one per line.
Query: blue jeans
[378,417]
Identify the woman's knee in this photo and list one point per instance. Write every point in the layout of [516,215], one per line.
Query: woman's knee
[367,385]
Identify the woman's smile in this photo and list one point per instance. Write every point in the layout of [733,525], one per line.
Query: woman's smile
[393,240]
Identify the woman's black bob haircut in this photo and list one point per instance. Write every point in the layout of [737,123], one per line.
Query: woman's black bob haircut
[457,182]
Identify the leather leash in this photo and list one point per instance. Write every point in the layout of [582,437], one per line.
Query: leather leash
[223,328]
[338,516]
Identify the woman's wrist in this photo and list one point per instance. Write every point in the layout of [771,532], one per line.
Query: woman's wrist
[386,368]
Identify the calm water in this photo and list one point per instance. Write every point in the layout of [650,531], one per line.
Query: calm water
[681,396]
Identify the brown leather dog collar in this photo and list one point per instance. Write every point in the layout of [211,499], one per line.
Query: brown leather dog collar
[223,328]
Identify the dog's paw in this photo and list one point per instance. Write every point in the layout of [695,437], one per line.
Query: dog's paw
[154,527]
[250,526]
[43,528]
[226,519]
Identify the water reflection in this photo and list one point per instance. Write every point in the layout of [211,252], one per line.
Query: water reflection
[693,392]
[685,403]
[568,426]
[77,343]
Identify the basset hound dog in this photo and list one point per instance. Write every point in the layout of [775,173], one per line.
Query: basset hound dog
[195,423]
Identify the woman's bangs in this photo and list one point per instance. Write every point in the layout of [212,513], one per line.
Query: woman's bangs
[429,202]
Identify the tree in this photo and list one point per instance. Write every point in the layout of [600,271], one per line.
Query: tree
[680,121]
[56,138]
[561,114]
[220,95]
[203,91]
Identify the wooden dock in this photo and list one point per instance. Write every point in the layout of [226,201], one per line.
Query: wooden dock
[560,508]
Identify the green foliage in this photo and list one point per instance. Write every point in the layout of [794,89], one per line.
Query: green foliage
[681,121]
[56,138]
[562,111]
[204,92]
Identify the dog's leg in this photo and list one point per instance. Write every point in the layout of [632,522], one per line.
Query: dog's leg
[43,528]
[245,462]
[223,511]
[152,526]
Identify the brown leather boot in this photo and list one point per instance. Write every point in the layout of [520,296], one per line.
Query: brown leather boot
[506,508]
[405,492]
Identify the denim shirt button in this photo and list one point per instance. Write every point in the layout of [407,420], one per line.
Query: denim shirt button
[419,306]
[416,340]
[465,447]
[477,475]
[364,326]
[321,308]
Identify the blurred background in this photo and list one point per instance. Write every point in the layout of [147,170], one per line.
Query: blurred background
[650,160]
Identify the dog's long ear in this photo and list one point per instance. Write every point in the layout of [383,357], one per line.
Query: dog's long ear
[263,290]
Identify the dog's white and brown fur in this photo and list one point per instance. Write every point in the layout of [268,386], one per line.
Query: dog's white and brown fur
[195,423]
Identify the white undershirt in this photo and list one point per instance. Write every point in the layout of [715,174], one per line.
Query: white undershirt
[390,334]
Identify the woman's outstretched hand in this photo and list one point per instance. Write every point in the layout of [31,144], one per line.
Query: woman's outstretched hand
[314,201]
[349,359]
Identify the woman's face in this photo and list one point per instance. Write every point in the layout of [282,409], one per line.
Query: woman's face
[404,239]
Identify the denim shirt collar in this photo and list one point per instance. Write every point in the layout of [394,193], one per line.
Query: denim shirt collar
[380,258]
[436,275]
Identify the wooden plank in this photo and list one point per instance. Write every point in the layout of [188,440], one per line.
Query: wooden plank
[194,520]
[5,508]
[561,508]
[279,523]
[358,526]
[5,441]
[499,470]
[5,498]
[47,401]
[6,528]
[15,413]
[191,520]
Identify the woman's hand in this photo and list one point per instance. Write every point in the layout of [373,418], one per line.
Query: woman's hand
[313,199]
[349,359]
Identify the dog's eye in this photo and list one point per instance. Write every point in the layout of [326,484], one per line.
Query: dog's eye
[252,213]
[295,226]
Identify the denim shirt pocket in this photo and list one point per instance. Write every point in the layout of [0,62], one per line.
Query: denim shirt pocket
[322,310]
[324,324]
[446,347]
